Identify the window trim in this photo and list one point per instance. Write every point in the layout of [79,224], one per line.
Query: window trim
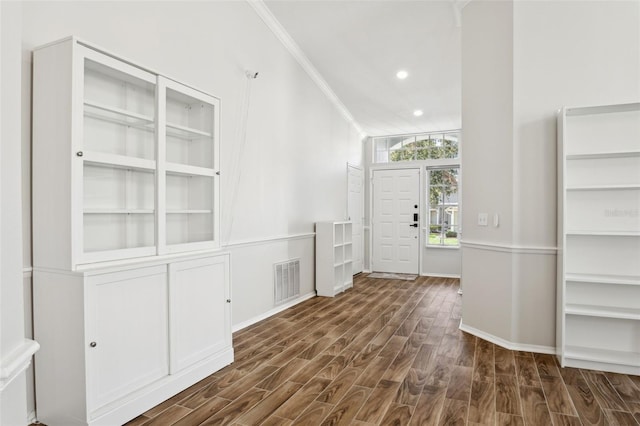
[428,169]
[403,137]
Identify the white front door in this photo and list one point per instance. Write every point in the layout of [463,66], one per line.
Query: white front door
[396,202]
[355,208]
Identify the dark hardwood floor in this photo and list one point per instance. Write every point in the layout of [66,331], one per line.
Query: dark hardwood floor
[389,352]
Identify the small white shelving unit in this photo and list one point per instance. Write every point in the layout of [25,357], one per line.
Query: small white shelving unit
[334,257]
[598,322]
[131,293]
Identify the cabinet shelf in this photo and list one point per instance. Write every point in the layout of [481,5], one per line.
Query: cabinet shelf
[189,211]
[185,170]
[184,132]
[602,311]
[117,115]
[118,211]
[118,161]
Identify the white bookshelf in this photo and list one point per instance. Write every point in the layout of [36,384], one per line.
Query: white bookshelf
[598,321]
[334,257]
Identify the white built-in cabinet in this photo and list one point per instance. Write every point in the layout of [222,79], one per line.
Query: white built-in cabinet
[131,295]
[598,323]
[128,158]
[334,257]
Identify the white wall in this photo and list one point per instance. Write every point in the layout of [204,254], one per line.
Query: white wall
[487,93]
[15,351]
[292,169]
[522,61]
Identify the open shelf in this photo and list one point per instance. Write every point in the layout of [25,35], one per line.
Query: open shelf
[603,311]
[603,355]
[605,233]
[604,155]
[599,238]
[605,279]
[602,187]
[334,255]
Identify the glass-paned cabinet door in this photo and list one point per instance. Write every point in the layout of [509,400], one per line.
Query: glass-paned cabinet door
[190,168]
[117,150]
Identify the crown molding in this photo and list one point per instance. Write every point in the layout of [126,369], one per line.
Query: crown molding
[287,41]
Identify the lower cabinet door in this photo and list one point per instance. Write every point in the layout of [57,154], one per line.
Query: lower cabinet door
[200,314]
[127,332]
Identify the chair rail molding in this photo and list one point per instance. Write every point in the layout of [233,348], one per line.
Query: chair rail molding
[277,238]
[17,362]
[508,248]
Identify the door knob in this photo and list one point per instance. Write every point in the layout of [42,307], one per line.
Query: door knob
[415,225]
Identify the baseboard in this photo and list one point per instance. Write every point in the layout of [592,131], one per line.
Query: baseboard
[31,418]
[602,366]
[276,310]
[551,350]
[440,275]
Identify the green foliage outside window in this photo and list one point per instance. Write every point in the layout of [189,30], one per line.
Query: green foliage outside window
[429,148]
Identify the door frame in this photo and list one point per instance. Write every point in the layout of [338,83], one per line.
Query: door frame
[421,207]
[362,226]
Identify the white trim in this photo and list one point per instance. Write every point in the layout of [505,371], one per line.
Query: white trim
[508,248]
[272,312]
[27,272]
[427,274]
[278,30]
[267,240]
[31,417]
[507,344]
[16,362]
[117,265]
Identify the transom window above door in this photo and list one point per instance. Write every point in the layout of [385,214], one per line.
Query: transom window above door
[424,146]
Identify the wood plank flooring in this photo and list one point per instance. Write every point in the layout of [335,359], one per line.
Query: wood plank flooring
[389,352]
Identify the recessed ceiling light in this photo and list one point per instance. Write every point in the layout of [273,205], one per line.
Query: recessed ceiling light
[417,112]
[402,74]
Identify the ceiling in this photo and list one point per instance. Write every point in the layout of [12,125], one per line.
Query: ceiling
[359,46]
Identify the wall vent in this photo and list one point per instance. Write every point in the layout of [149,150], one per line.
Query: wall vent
[287,280]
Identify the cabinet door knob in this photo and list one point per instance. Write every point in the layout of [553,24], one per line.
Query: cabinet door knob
[79,153]
[93,344]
